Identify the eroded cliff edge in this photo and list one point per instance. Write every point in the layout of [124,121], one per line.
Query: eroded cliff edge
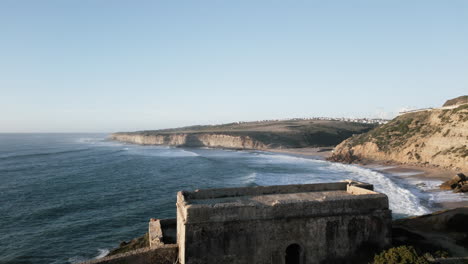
[429,137]
[251,135]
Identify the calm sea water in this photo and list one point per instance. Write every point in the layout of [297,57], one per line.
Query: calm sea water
[66,198]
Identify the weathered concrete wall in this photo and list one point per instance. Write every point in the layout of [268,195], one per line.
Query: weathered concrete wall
[162,232]
[330,239]
[259,190]
[166,254]
[255,225]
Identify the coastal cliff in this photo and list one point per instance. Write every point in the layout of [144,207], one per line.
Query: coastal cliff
[192,140]
[251,135]
[428,137]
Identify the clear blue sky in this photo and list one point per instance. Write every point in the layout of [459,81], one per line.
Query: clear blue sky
[96,65]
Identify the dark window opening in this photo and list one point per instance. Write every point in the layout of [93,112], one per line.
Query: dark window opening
[293,254]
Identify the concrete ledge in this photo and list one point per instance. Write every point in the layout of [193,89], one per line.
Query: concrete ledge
[200,214]
[261,190]
[282,201]
[166,254]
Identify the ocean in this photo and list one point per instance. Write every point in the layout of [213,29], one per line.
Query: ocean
[66,198]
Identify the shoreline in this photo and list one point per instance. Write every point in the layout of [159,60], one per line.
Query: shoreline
[408,173]
[430,172]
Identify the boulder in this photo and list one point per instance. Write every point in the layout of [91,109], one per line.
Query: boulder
[454,183]
[461,188]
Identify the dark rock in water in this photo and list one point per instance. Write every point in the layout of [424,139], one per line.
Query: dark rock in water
[461,188]
[457,183]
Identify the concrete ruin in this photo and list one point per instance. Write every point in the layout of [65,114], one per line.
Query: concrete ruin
[291,224]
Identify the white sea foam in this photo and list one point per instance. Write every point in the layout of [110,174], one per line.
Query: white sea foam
[102,253]
[274,158]
[431,187]
[381,167]
[402,200]
[407,173]
[249,178]
[160,151]
[448,196]
[79,259]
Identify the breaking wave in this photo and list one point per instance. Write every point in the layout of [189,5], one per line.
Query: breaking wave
[402,201]
[102,253]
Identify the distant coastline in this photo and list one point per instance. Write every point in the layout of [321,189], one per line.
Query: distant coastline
[262,135]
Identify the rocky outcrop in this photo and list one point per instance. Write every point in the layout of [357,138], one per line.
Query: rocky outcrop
[251,135]
[433,137]
[458,184]
[212,140]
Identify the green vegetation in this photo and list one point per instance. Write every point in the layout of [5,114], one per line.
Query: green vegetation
[459,100]
[461,151]
[402,129]
[460,108]
[397,132]
[400,255]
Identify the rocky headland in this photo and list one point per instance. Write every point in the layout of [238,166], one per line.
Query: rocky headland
[428,137]
[251,135]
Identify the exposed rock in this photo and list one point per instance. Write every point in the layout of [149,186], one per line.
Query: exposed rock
[251,135]
[454,182]
[437,137]
[461,188]
[457,184]
[344,157]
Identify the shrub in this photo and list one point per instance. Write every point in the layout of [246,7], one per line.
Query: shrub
[400,255]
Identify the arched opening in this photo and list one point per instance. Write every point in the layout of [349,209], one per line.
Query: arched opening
[293,254]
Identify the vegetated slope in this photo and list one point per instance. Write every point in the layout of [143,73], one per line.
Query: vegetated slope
[437,137]
[251,135]
[457,101]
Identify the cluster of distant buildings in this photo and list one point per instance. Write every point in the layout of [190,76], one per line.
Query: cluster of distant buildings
[345,119]
[430,109]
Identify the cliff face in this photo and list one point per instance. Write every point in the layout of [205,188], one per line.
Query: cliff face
[251,135]
[436,137]
[213,140]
